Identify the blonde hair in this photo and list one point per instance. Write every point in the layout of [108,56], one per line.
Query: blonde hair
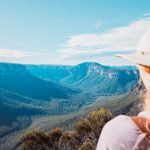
[147,93]
[147,101]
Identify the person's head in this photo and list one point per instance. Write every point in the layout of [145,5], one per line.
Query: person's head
[142,59]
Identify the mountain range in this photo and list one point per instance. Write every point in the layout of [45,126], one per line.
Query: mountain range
[89,77]
[53,89]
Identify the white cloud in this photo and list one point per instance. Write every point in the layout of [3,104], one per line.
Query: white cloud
[18,43]
[117,39]
[98,24]
[147,14]
[12,53]
[86,47]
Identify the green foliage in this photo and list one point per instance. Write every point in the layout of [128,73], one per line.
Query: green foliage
[83,137]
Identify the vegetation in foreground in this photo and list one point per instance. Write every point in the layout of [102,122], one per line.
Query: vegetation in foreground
[84,136]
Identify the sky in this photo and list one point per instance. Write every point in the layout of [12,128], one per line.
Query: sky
[70,32]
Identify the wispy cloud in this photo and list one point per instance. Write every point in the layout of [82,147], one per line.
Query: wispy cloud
[86,47]
[98,24]
[18,43]
[147,14]
[13,53]
[117,39]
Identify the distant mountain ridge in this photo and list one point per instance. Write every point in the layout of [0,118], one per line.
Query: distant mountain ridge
[16,78]
[49,72]
[90,76]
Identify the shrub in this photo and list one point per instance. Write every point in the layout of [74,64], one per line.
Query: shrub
[83,127]
[83,137]
[35,140]
[55,134]
[98,119]
[70,140]
[87,145]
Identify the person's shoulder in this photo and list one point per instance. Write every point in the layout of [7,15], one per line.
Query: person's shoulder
[121,123]
[120,117]
[121,129]
[118,128]
[119,120]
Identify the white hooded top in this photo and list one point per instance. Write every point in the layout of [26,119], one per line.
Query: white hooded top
[121,133]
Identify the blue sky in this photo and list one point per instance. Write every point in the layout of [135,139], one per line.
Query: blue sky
[71,31]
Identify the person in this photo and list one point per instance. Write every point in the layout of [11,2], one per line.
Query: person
[126,132]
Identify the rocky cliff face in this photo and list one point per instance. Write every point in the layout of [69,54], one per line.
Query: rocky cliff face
[130,103]
[137,98]
[139,88]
